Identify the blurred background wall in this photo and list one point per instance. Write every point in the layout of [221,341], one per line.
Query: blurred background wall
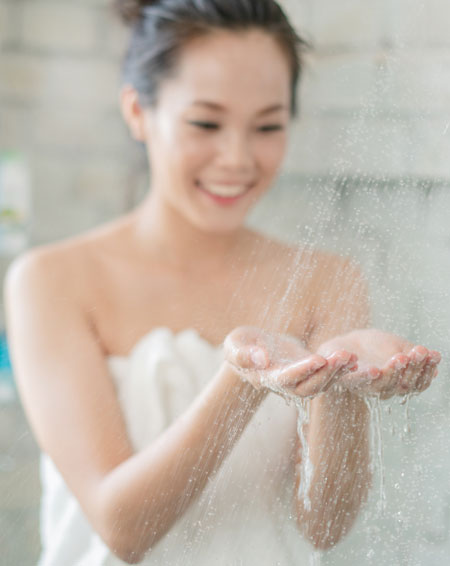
[367,173]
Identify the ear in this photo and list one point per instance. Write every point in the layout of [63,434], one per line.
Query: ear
[132,112]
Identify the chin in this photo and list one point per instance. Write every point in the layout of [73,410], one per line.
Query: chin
[220,228]
[223,230]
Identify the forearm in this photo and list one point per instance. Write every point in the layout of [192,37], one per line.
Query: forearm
[338,439]
[144,496]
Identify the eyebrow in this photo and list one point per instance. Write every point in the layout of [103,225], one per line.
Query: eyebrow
[220,108]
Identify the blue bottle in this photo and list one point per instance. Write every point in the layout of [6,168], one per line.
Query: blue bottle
[7,388]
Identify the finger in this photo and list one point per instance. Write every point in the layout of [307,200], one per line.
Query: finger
[244,356]
[391,375]
[341,364]
[359,380]
[423,381]
[435,356]
[362,379]
[245,336]
[418,360]
[351,368]
[292,375]
[313,386]
[425,374]
[340,359]
[323,379]
[428,374]
[246,347]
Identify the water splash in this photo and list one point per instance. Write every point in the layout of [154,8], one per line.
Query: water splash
[307,468]
[407,418]
[374,405]
[315,558]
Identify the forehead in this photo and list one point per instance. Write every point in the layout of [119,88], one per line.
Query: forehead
[248,68]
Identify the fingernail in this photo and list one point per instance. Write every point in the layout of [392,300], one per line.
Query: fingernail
[258,357]
[374,373]
[368,379]
[400,365]
[420,356]
[318,365]
[436,357]
[347,365]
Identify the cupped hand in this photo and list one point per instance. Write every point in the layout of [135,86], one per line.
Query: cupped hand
[388,365]
[281,363]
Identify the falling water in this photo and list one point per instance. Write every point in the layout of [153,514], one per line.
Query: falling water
[307,469]
[377,460]
[407,420]
[350,216]
[397,227]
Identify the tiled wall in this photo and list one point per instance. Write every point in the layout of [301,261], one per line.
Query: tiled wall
[59,79]
[368,171]
[376,94]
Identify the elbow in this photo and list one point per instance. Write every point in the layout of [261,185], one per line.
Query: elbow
[130,529]
[321,536]
[127,554]
[324,539]
[128,538]
[125,546]
[324,529]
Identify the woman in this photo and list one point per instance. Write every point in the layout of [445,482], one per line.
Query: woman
[159,444]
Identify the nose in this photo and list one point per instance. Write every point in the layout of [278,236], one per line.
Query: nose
[235,152]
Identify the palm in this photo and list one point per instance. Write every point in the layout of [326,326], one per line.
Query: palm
[282,363]
[391,364]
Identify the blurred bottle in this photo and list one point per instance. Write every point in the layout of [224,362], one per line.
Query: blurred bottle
[15,220]
[15,204]
[7,388]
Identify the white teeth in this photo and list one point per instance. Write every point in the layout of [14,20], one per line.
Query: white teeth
[226,190]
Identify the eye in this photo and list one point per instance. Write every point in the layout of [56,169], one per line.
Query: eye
[271,128]
[204,125]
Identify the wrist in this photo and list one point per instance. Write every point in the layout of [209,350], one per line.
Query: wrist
[341,402]
[239,386]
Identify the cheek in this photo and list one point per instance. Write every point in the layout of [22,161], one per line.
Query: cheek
[191,152]
[271,151]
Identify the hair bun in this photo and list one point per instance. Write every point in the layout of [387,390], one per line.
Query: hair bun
[130,11]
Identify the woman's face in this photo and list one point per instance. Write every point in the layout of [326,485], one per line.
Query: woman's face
[217,135]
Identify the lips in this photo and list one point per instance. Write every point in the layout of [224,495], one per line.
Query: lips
[224,190]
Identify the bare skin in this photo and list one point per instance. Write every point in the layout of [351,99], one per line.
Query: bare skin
[182,261]
[111,477]
[345,369]
[70,289]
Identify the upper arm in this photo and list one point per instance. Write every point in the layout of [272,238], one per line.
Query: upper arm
[62,376]
[341,299]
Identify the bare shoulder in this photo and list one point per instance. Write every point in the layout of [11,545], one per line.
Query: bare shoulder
[339,296]
[47,269]
[312,268]
[68,266]
[329,268]
[320,264]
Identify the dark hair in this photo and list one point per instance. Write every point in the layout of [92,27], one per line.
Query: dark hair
[161,28]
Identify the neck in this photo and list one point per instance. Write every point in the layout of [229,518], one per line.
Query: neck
[165,235]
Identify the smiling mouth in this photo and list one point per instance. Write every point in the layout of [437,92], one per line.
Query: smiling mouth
[229,191]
